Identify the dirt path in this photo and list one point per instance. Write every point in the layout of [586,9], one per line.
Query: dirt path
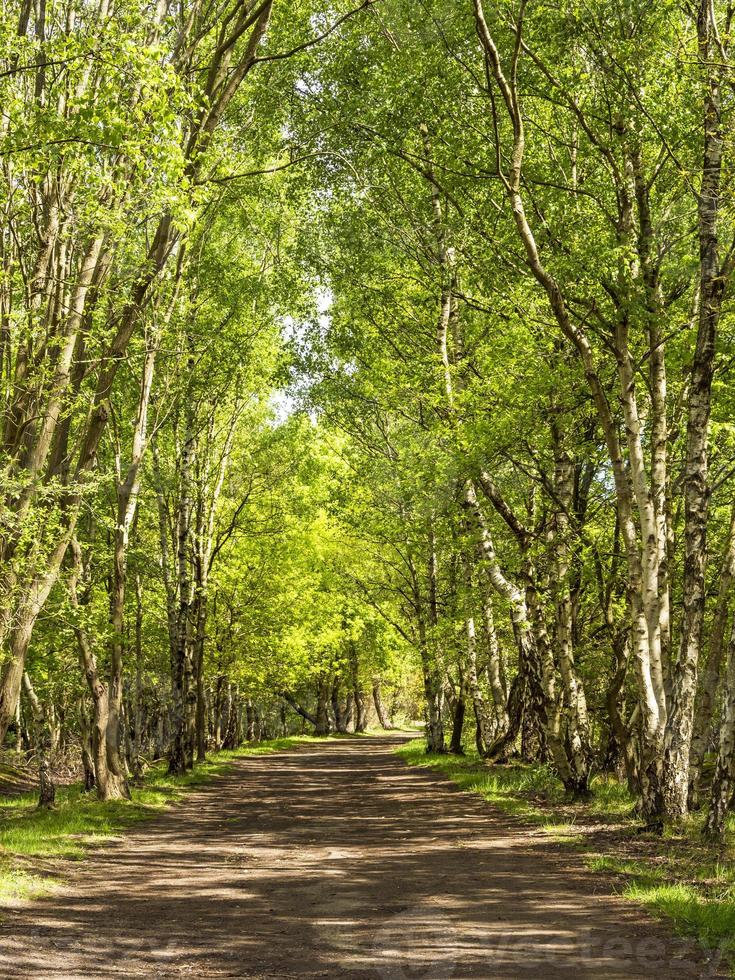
[336,860]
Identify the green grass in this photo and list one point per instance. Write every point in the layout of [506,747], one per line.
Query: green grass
[709,920]
[33,842]
[697,895]
[676,877]
[519,789]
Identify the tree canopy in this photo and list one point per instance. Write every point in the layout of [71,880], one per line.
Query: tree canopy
[365,363]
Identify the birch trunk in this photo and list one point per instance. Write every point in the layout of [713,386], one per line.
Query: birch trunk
[204,554]
[138,714]
[620,730]
[713,280]
[459,711]
[361,714]
[552,710]
[249,721]
[537,684]
[127,488]
[710,680]
[85,731]
[21,624]
[577,729]
[486,731]
[432,672]
[495,667]
[723,783]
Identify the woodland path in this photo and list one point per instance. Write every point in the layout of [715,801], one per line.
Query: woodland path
[336,860]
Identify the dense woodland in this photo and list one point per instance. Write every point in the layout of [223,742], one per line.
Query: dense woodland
[366,363]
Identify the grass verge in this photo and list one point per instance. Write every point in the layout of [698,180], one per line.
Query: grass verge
[677,877]
[33,842]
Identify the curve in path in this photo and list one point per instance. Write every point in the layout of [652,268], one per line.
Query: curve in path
[336,860]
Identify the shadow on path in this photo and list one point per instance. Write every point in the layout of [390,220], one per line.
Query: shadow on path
[336,860]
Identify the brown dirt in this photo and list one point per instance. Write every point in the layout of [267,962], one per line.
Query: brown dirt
[337,860]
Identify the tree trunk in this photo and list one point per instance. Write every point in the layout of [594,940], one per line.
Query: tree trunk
[110,785]
[710,681]
[47,790]
[385,722]
[299,709]
[340,716]
[23,620]
[113,740]
[503,746]
[160,734]
[217,710]
[434,713]
[201,695]
[361,714]
[361,711]
[18,729]
[322,724]
[577,729]
[85,731]
[495,667]
[127,490]
[460,709]
[485,734]
[429,653]
[233,730]
[249,721]
[180,754]
[550,711]
[723,782]
[225,712]
[713,279]
[620,730]
[350,712]
[533,661]
[138,744]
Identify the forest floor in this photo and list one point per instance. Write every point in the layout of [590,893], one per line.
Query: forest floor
[335,859]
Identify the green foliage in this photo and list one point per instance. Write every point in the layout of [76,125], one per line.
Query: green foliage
[275,285]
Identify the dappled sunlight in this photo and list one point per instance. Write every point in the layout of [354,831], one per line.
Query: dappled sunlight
[335,860]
